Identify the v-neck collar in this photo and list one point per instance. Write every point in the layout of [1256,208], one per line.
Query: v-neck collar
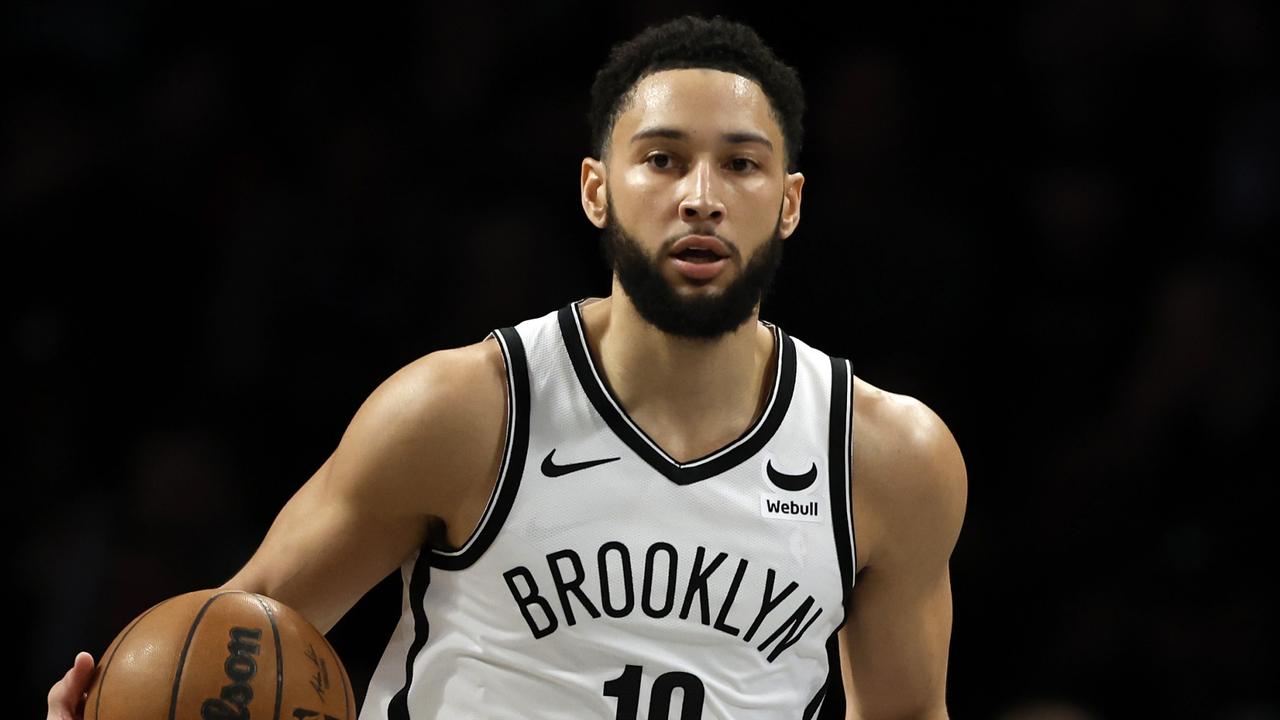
[573,331]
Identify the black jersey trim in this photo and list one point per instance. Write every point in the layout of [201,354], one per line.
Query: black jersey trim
[830,697]
[606,404]
[513,458]
[419,580]
[839,457]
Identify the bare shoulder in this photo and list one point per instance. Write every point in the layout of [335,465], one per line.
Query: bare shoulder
[421,446]
[436,427]
[910,484]
[442,393]
[469,375]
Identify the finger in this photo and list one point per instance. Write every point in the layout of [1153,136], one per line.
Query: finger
[83,660]
[66,694]
[80,675]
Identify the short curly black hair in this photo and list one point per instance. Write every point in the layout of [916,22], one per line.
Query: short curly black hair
[695,42]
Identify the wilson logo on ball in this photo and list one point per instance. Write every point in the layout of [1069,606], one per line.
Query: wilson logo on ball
[241,666]
[229,654]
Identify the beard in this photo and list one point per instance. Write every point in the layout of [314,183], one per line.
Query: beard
[701,316]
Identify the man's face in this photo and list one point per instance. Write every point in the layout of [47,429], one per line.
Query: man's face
[697,152]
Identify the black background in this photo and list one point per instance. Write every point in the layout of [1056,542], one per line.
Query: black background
[1052,222]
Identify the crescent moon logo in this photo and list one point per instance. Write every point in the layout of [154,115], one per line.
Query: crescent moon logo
[793,483]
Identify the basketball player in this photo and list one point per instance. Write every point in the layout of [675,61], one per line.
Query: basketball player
[652,504]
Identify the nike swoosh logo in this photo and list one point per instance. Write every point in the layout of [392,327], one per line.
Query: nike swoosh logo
[794,483]
[550,469]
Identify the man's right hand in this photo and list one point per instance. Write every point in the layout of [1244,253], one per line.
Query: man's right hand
[66,697]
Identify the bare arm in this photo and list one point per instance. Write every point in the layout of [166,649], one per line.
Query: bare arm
[415,450]
[913,495]
[421,446]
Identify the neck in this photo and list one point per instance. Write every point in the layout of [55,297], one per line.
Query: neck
[691,396]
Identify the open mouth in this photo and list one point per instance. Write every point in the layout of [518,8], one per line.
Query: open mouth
[696,255]
[700,248]
[700,257]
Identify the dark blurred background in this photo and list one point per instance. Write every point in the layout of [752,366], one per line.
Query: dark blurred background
[1053,222]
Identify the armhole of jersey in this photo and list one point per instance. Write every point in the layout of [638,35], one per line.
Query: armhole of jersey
[839,471]
[515,447]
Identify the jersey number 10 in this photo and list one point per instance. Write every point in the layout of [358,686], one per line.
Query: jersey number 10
[626,687]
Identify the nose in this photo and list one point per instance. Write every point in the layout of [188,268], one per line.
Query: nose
[701,195]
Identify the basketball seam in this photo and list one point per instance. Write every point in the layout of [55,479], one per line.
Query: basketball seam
[97,702]
[182,659]
[279,654]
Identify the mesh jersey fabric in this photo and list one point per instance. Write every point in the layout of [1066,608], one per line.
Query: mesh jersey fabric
[607,580]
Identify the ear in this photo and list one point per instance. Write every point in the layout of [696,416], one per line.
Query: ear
[594,196]
[791,204]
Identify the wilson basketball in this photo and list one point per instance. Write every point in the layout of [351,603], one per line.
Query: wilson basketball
[215,654]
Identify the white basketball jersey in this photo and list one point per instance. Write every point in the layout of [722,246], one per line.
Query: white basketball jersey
[606,580]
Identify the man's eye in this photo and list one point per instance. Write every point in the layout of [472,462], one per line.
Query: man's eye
[662,166]
[663,161]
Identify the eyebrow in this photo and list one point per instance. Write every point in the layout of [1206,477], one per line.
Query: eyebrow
[674,134]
